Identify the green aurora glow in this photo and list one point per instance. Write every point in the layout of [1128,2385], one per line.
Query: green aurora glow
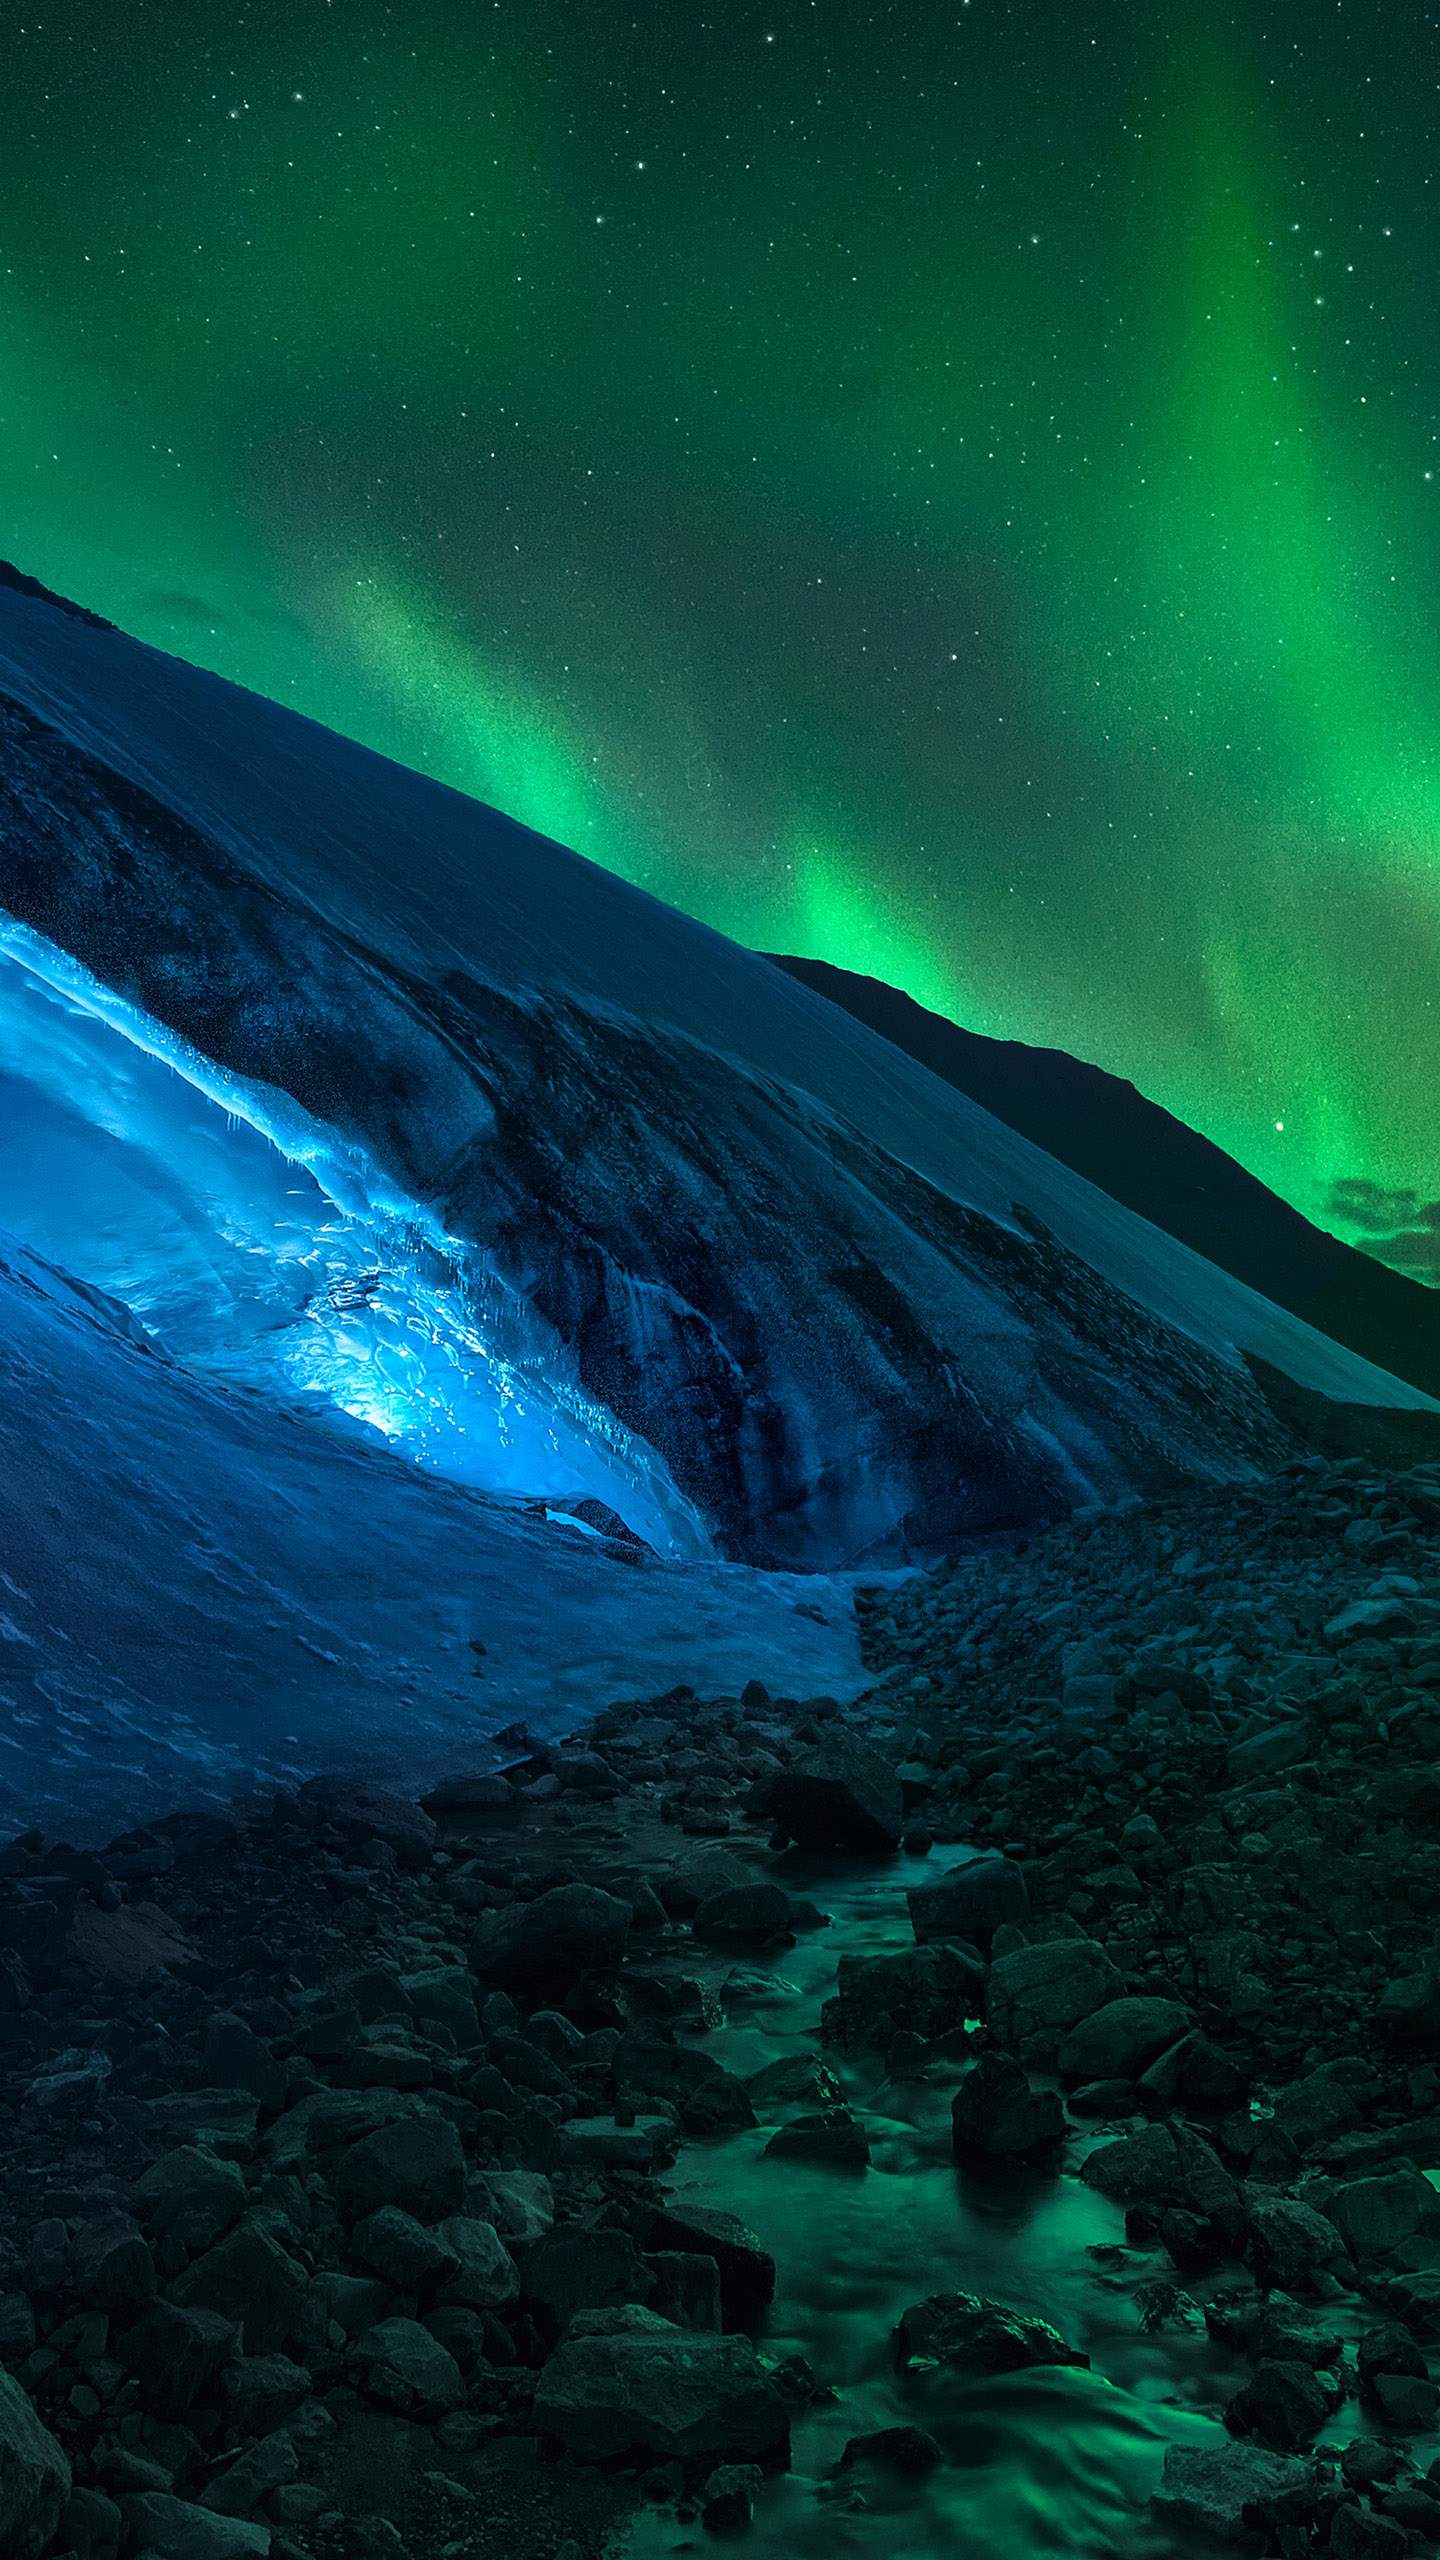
[946,492]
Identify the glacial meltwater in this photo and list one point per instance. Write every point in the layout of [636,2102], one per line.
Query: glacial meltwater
[1050,2464]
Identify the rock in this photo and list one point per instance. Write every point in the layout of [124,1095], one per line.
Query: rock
[484,2273]
[797,2079]
[1290,2243]
[1216,2489]
[832,2135]
[410,2257]
[595,2142]
[1169,2166]
[1283,2403]
[189,2198]
[111,2267]
[1117,2041]
[1383,1616]
[415,2162]
[683,2287]
[969,1903]
[576,2268]
[165,2528]
[923,1991]
[1377,2215]
[250,2279]
[368,1813]
[91,2527]
[1037,1994]
[643,2387]
[841,1796]
[1357,2534]
[996,2115]
[541,1947]
[908,2449]
[1388,2348]
[519,2202]
[17,2327]
[695,1878]
[973,2335]
[727,2499]
[399,2364]
[747,2270]
[745,1912]
[1407,2400]
[1193,2073]
[261,2392]
[174,2352]
[254,2476]
[34,2476]
[707,2097]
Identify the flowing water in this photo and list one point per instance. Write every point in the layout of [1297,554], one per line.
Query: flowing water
[1052,2461]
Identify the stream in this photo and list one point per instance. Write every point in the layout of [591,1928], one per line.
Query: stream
[1050,2461]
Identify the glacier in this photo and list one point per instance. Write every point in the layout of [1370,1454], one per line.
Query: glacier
[384,1186]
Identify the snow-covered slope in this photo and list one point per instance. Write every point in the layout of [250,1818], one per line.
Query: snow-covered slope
[842,1310]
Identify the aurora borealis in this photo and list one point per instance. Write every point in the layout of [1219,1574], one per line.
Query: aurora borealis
[950,490]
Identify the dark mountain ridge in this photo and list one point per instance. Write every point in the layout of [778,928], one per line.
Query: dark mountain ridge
[1139,1153]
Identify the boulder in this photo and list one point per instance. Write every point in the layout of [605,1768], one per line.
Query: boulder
[1377,2215]
[840,1796]
[1284,2403]
[414,2162]
[1037,1994]
[997,2115]
[745,1912]
[579,2268]
[411,2257]
[363,1812]
[638,2386]
[973,2335]
[747,2270]
[1290,2243]
[165,2528]
[189,2198]
[1170,2168]
[403,2367]
[908,2449]
[1216,2489]
[832,2134]
[542,1947]
[922,1991]
[1117,2041]
[34,2476]
[727,2498]
[252,2280]
[173,2352]
[484,2274]
[969,1903]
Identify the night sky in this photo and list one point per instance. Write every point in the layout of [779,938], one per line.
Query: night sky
[953,489]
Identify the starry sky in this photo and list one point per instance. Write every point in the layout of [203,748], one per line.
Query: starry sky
[951,488]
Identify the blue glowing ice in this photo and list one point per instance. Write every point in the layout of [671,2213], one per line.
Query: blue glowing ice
[257,1246]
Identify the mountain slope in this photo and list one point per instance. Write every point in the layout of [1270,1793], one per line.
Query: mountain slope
[1154,1164]
[847,1312]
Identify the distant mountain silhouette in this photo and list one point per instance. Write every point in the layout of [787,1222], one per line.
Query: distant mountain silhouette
[25,585]
[1155,1164]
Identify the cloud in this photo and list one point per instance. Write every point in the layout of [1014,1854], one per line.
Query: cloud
[178,605]
[1357,1202]
[1396,1226]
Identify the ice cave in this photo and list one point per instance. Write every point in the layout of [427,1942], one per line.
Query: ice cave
[255,1245]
